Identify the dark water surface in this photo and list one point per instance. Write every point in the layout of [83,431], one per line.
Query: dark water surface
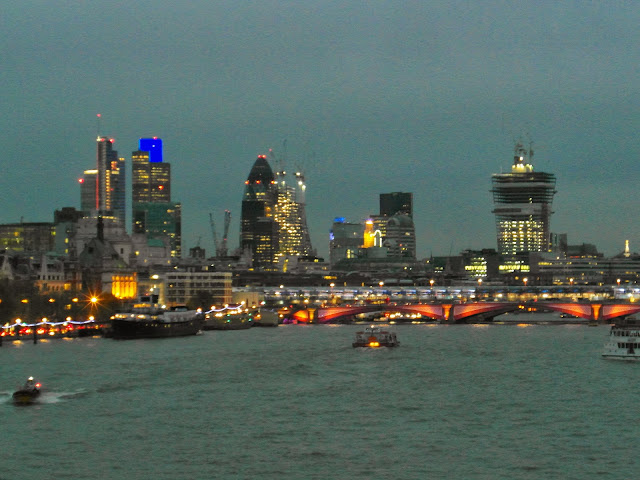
[461,401]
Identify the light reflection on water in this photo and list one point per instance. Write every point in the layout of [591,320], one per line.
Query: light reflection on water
[459,401]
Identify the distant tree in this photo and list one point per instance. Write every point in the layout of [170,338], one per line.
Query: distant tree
[202,299]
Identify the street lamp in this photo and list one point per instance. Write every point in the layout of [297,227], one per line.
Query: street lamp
[525,280]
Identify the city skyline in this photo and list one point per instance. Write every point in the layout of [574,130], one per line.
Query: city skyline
[427,99]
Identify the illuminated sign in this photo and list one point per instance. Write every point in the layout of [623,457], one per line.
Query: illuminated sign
[154,147]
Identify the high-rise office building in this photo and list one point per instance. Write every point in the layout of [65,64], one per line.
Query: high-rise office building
[345,240]
[88,184]
[110,181]
[273,223]
[294,239]
[400,237]
[160,220]
[258,226]
[153,211]
[151,177]
[394,226]
[396,202]
[522,202]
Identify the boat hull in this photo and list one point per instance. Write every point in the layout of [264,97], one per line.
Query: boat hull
[628,358]
[123,329]
[25,397]
[370,345]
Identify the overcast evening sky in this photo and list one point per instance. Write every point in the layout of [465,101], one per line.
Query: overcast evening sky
[371,97]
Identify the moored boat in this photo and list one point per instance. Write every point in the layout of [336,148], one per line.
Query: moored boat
[374,337]
[147,320]
[624,341]
[229,317]
[28,393]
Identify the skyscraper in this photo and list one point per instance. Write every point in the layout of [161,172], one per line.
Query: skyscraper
[394,226]
[110,181]
[153,211]
[88,185]
[258,226]
[345,240]
[396,202]
[522,202]
[294,238]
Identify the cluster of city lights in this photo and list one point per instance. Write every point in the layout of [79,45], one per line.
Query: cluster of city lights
[46,322]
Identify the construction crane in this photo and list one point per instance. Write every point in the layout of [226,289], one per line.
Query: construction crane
[221,246]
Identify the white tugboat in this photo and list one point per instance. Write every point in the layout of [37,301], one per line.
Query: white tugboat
[374,337]
[624,341]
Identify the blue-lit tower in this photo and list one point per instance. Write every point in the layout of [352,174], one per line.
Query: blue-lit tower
[153,211]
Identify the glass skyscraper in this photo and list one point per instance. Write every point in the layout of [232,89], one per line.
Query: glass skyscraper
[110,181]
[258,226]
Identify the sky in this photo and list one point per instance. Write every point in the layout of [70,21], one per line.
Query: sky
[369,97]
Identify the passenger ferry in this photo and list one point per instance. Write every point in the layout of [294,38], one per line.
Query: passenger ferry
[374,337]
[146,319]
[624,341]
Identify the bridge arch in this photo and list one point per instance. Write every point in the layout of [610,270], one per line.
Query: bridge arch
[463,312]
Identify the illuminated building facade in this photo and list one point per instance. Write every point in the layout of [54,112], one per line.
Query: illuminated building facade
[522,202]
[259,230]
[293,234]
[182,287]
[35,237]
[394,228]
[345,240]
[159,220]
[151,177]
[154,214]
[110,181]
[400,237]
[88,184]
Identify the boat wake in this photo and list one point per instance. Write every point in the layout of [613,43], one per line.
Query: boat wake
[47,397]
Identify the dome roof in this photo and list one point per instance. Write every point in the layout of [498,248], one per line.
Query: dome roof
[261,172]
[401,220]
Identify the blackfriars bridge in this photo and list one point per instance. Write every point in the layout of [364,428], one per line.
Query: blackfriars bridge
[468,312]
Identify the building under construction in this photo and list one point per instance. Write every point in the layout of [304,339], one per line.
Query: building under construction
[522,200]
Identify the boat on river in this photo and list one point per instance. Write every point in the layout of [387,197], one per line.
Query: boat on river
[147,320]
[28,394]
[624,341]
[375,337]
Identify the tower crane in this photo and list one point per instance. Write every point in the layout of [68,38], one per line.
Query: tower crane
[221,246]
[225,235]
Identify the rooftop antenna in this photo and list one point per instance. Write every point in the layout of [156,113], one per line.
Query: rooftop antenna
[98,117]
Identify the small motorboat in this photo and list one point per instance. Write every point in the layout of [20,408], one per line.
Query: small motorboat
[28,393]
[374,337]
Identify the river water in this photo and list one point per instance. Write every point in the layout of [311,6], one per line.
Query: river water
[298,402]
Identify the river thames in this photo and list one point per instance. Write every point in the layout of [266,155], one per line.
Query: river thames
[298,402]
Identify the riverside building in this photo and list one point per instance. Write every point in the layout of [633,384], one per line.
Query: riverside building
[522,200]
